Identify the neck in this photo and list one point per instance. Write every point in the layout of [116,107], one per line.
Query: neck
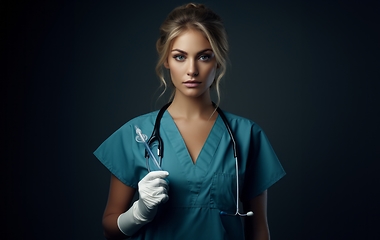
[192,108]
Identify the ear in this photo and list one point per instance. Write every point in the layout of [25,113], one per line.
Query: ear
[166,64]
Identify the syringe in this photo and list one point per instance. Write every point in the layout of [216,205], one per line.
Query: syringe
[139,133]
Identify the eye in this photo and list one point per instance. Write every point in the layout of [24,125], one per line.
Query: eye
[205,57]
[180,58]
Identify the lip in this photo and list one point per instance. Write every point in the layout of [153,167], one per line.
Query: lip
[191,83]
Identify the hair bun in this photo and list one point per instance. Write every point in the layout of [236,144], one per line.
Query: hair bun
[194,5]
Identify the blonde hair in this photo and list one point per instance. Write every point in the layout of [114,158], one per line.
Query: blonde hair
[199,17]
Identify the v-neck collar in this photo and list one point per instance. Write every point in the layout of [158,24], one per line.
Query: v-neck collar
[208,150]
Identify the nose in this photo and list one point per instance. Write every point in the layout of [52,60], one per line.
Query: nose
[192,69]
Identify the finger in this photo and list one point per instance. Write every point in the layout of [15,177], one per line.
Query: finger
[153,192]
[164,198]
[156,199]
[156,174]
[158,182]
[160,198]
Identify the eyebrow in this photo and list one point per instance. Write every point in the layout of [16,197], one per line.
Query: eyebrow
[183,52]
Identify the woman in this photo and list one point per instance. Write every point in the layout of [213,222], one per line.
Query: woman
[195,192]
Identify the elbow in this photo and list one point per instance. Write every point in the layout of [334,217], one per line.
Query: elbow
[111,231]
[112,236]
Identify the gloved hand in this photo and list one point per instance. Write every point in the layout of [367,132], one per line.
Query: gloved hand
[153,190]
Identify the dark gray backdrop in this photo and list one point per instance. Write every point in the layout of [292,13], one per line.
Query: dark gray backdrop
[306,71]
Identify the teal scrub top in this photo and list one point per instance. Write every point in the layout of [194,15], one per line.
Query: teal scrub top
[197,191]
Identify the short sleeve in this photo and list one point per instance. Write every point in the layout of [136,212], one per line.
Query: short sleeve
[117,154]
[263,168]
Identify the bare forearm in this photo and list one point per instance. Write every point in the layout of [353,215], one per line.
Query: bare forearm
[111,230]
[256,227]
[258,235]
[262,235]
[256,232]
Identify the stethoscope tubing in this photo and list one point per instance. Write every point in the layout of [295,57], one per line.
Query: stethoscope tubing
[156,131]
[160,150]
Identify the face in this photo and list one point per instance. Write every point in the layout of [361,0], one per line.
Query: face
[192,64]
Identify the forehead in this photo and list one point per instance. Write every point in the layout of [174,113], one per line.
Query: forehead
[191,40]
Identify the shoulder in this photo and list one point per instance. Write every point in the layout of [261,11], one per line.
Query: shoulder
[145,117]
[142,120]
[145,122]
[234,117]
[241,122]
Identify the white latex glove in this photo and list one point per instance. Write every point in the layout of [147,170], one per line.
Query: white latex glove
[153,190]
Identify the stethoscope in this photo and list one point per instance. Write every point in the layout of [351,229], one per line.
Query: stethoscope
[160,151]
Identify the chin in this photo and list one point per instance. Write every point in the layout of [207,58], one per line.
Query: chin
[193,93]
